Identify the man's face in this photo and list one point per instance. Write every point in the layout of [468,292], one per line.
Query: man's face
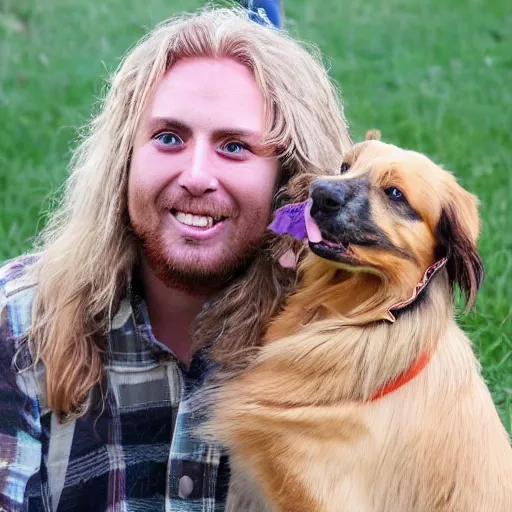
[201,183]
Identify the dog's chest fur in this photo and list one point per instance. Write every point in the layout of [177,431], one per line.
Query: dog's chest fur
[416,449]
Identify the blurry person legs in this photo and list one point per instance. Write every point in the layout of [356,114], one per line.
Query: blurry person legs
[264,11]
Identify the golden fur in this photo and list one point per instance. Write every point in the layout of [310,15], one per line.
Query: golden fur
[301,429]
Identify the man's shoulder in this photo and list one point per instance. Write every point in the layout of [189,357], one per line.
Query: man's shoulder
[17,290]
[15,275]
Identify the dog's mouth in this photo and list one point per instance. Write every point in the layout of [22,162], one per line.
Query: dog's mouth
[296,220]
[340,252]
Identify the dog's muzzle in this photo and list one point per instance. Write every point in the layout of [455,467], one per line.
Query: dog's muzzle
[341,210]
[330,197]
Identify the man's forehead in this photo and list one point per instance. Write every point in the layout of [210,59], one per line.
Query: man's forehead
[210,90]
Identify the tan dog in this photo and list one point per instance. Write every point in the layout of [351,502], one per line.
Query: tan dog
[366,395]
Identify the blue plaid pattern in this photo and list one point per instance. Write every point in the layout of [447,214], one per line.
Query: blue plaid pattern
[133,451]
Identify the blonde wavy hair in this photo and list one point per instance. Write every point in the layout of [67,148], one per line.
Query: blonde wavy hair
[87,250]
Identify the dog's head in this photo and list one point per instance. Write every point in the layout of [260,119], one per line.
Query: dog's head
[394,213]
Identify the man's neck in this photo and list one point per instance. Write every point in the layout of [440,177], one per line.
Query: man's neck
[171,313]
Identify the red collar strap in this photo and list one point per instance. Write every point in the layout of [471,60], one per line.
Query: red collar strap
[404,377]
[424,358]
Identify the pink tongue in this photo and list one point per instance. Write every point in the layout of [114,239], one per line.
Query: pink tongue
[314,234]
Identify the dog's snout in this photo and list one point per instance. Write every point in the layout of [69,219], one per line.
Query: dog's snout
[328,196]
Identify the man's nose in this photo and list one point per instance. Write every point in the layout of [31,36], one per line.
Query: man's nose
[198,177]
[329,196]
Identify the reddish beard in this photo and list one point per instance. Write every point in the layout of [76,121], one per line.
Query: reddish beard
[189,273]
[191,276]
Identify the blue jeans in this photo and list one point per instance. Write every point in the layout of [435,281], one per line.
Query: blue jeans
[261,9]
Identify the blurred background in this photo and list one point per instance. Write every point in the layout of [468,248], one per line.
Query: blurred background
[433,75]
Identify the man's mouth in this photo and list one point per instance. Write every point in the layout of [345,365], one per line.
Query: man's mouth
[196,220]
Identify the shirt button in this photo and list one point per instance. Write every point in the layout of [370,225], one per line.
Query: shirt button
[185,487]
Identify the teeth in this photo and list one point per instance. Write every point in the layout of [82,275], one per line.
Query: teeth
[200,221]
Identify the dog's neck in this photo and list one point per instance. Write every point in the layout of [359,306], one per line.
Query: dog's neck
[346,333]
[358,298]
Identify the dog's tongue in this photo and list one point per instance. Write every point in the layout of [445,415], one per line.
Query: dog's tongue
[295,219]
[314,235]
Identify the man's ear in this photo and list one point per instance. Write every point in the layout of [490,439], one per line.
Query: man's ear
[457,234]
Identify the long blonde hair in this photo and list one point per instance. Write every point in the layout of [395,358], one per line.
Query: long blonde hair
[87,249]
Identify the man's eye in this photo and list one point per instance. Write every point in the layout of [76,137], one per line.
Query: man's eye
[168,139]
[233,147]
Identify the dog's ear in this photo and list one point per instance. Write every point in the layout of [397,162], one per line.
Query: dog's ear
[457,235]
[373,134]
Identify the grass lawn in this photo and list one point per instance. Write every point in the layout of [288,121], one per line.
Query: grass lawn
[432,75]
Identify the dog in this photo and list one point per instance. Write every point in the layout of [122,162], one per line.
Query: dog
[366,396]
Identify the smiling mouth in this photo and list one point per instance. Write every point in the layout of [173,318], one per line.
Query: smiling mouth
[195,220]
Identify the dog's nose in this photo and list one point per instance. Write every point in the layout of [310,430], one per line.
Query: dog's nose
[328,196]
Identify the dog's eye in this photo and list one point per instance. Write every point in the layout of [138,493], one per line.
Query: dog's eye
[345,166]
[394,194]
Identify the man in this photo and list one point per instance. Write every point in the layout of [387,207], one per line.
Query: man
[168,198]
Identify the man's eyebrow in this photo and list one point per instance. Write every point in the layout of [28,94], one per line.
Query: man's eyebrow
[223,133]
[156,124]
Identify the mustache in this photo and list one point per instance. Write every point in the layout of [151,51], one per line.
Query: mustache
[208,206]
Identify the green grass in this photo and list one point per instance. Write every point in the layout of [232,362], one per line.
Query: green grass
[432,75]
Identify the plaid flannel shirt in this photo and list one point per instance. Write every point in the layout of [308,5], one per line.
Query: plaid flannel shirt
[133,451]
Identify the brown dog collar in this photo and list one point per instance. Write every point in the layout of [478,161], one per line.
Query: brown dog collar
[427,276]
